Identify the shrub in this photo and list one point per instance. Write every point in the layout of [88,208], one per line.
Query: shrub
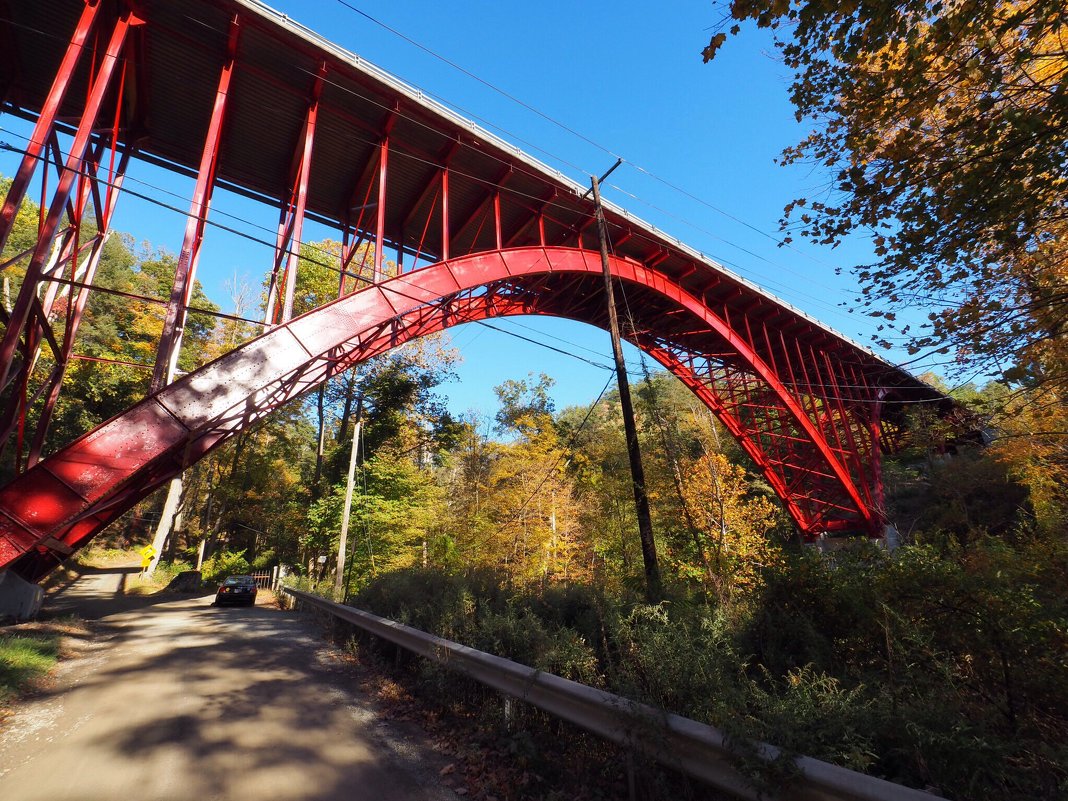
[685,663]
[265,560]
[223,564]
[942,665]
[166,571]
[953,656]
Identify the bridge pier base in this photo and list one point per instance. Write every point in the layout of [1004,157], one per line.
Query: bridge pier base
[18,598]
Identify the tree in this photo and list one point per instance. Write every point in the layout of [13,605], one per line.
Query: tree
[600,471]
[23,238]
[526,407]
[945,128]
[1033,448]
[511,504]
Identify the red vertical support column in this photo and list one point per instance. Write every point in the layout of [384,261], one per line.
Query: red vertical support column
[814,397]
[847,447]
[270,313]
[302,202]
[352,235]
[42,130]
[832,401]
[875,428]
[445,231]
[497,218]
[27,297]
[291,219]
[170,342]
[184,275]
[871,402]
[848,443]
[66,248]
[350,245]
[380,227]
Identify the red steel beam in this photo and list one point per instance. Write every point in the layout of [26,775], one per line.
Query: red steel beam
[353,234]
[282,283]
[39,324]
[185,274]
[20,314]
[704,389]
[302,198]
[291,221]
[42,129]
[481,208]
[498,238]
[14,412]
[444,213]
[380,227]
[76,311]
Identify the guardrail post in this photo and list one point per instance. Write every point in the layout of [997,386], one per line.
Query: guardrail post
[509,713]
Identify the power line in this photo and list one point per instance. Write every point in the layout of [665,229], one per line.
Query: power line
[584,138]
[568,129]
[481,80]
[590,362]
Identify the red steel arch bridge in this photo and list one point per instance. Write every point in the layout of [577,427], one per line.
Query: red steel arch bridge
[232,94]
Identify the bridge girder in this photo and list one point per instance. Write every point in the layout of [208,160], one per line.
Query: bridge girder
[349,146]
[58,505]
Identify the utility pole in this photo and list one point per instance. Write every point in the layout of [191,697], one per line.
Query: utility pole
[350,482]
[653,587]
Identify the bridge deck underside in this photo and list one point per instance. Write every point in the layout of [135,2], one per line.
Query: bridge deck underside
[496,196]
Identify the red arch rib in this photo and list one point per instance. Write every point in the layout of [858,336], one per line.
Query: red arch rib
[65,500]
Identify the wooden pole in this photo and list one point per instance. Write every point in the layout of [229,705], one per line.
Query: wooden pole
[350,482]
[653,586]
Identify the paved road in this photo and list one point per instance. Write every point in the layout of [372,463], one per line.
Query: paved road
[175,699]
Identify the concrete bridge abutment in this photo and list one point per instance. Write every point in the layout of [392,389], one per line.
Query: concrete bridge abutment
[19,599]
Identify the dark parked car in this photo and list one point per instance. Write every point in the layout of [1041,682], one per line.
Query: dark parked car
[237,590]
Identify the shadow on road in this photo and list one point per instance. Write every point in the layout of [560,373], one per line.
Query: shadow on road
[93,593]
[171,698]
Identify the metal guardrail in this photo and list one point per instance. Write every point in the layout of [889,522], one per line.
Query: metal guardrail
[679,743]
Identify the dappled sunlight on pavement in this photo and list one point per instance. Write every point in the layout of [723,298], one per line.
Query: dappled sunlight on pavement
[176,699]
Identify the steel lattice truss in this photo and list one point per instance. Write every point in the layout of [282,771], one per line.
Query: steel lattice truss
[474,228]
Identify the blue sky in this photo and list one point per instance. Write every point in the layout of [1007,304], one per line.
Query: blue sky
[618,79]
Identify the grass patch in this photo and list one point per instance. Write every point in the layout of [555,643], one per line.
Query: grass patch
[25,659]
[29,651]
[107,557]
[162,576]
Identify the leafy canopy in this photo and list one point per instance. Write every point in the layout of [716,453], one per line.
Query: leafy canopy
[944,124]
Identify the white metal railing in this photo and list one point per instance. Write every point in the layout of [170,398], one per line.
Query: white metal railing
[693,748]
[266,579]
